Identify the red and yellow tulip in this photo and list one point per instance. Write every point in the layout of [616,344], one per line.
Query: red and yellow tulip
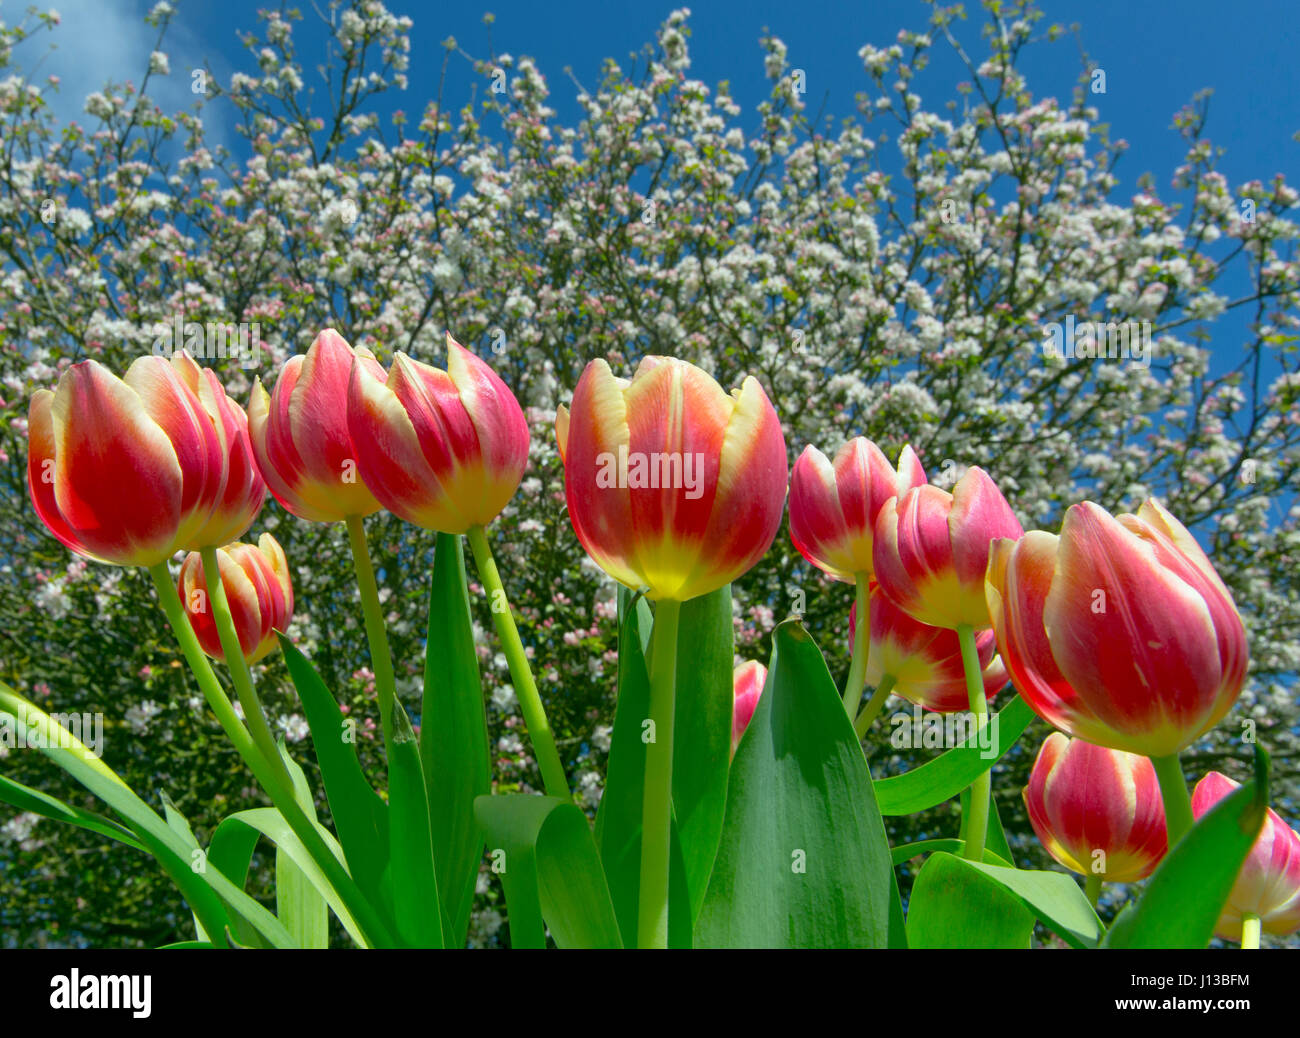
[925,662]
[834,504]
[1118,631]
[300,433]
[258,589]
[1097,811]
[747,685]
[441,449]
[125,470]
[1268,885]
[932,547]
[672,484]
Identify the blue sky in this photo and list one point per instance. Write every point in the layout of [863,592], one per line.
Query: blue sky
[1156,53]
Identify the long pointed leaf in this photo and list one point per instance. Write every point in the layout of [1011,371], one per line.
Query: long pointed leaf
[803,861]
[415,878]
[360,814]
[946,776]
[453,738]
[551,872]
[702,734]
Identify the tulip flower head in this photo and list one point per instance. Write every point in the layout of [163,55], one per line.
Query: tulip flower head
[925,662]
[126,470]
[300,433]
[834,505]
[1268,884]
[932,547]
[258,589]
[672,484]
[1097,811]
[1118,631]
[747,685]
[441,449]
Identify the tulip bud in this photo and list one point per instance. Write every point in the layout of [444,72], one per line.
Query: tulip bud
[441,449]
[300,433]
[123,470]
[932,548]
[1097,811]
[1268,884]
[834,505]
[258,589]
[925,662]
[244,491]
[747,681]
[672,484]
[1118,631]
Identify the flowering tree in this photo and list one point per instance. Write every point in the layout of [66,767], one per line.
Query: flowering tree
[901,289]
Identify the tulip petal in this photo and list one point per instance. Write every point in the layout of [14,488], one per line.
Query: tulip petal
[198,445]
[1145,660]
[1018,582]
[117,481]
[600,510]
[750,495]
[502,433]
[390,452]
[41,469]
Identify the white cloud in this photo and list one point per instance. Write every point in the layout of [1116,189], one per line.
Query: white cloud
[102,40]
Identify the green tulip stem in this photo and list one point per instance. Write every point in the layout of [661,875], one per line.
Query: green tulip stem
[1250,929]
[861,647]
[381,659]
[1092,888]
[282,795]
[873,706]
[1173,791]
[976,825]
[238,665]
[554,779]
[657,806]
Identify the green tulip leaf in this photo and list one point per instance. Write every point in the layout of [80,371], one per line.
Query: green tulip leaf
[702,734]
[803,861]
[208,892]
[360,814]
[232,845]
[1054,897]
[416,904]
[954,904]
[542,848]
[946,776]
[453,738]
[27,799]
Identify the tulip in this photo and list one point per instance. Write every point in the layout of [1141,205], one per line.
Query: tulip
[921,663]
[834,505]
[1266,895]
[244,490]
[1118,631]
[1098,812]
[441,449]
[747,685]
[124,470]
[932,547]
[930,553]
[300,433]
[672,484]
[675,486]
[258,589]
